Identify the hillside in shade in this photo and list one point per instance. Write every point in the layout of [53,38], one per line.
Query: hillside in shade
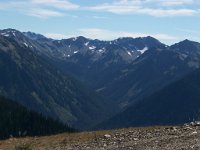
[28,78]
[16,120]
[176,103]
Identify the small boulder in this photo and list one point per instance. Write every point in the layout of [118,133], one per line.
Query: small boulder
[195,132]
[107,136]
[195,123]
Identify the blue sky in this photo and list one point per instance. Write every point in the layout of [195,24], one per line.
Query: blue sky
[169,21]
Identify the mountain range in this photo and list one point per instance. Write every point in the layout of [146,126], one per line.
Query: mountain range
[83,82]
[28,78]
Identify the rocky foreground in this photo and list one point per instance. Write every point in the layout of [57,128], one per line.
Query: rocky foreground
[184,137]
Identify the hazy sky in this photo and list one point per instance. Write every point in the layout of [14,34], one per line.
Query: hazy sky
[169,21]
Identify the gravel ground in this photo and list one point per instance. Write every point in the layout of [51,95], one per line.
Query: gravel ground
[184,137]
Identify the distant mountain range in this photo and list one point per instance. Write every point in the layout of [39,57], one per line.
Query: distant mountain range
[83,82]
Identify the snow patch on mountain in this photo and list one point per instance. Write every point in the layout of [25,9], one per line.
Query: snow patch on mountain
[86,44]
[26,44]
[143,50]
[92,47]
[74,39]
[101,50]
[8,33]
[5,34]
[129,53]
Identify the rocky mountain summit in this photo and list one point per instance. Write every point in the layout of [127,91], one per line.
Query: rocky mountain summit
[183,137]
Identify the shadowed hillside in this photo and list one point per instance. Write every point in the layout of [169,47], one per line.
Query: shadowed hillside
[16,120]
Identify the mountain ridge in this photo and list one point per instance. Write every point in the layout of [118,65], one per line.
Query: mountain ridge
[118,73]
[28,78]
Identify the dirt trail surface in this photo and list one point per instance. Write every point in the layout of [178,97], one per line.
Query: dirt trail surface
[184,137]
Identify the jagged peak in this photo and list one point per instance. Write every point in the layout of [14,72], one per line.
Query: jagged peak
[132,38]
[79,38]
[135,38]
[10,32]
[186,41]
[34,36]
